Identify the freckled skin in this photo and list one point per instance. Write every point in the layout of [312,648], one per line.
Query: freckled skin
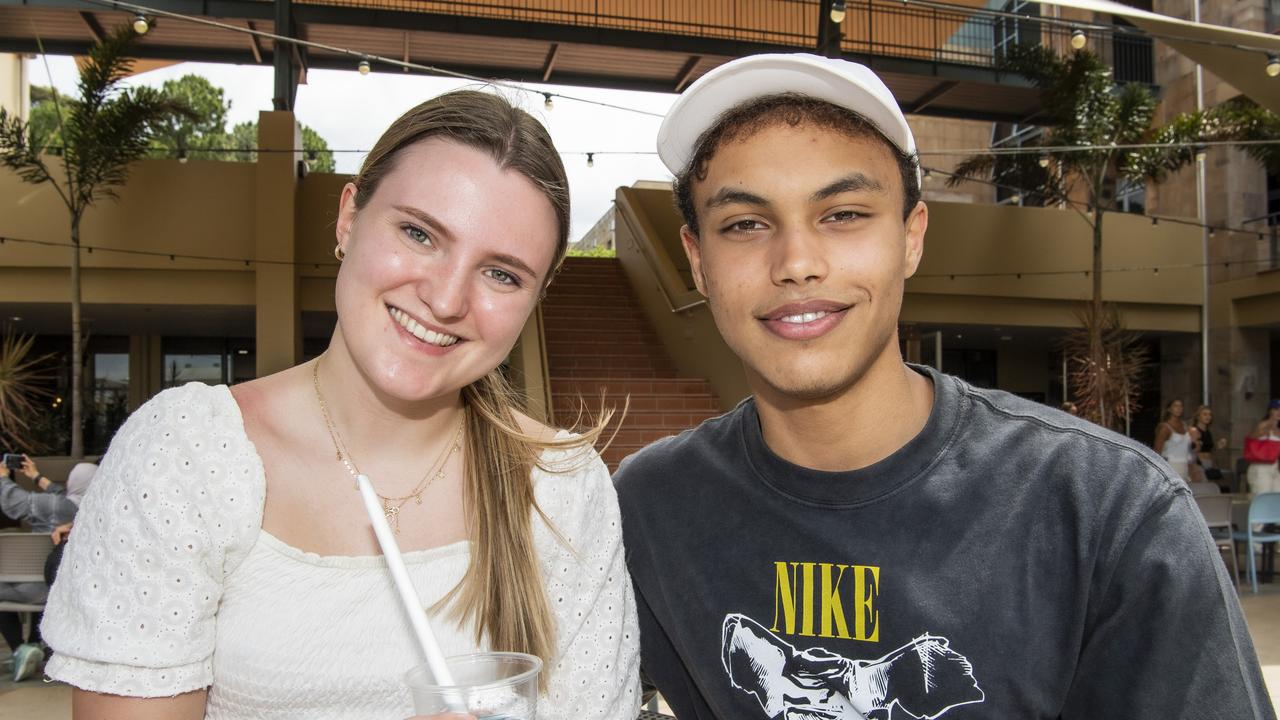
[850,248]
[448,276]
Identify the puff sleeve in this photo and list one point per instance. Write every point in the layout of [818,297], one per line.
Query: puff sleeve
[596,670]
[176,504]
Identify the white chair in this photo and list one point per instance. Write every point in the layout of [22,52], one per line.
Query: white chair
[1205,488]
[1216,510]
[22,556]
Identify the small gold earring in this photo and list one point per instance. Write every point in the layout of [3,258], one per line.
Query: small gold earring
[339,253]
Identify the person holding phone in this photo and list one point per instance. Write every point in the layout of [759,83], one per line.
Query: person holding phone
[225,567]
[43,512]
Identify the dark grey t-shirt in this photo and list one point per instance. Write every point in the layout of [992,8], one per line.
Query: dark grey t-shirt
[1010,561]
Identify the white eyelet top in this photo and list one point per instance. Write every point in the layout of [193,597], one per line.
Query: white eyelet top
[169,584]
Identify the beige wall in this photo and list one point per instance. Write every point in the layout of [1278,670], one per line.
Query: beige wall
[936,134]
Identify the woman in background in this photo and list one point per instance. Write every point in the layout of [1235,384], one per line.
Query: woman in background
[1174,440]
[1265,477]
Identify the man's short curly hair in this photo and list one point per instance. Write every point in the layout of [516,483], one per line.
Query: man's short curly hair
[784,109]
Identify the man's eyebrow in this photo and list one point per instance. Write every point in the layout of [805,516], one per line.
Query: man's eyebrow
[853,182]
[425,218]
[730,196]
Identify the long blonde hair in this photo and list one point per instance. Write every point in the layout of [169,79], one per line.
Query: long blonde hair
[502,590]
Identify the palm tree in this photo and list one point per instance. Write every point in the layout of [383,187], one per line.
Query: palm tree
[100,135]
[1083,108]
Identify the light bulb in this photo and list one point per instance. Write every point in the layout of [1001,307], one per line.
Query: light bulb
[1200,154]
[364,67]
[591,159]
[927,177]
[548,104]
[1044,160]
[1016,199]
[837,11]
[1273,65]
[1078,39]
[140,24]
[182,156]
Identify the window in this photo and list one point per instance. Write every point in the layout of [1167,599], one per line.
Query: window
[1010,135]
[1131,196]
[182,368]
[108,401]
[1133,55]
[1011,31]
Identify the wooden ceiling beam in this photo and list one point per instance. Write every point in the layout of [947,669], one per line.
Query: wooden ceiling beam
[549,64]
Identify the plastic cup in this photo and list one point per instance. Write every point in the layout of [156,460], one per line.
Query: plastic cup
[491,685]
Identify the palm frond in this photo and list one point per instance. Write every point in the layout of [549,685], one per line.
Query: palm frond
[1106,364]
[974,167]
[16,151]
[22,381]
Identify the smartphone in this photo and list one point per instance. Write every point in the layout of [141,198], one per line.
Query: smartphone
[13,461]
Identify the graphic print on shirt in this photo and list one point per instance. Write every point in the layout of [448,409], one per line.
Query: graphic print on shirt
[923,678]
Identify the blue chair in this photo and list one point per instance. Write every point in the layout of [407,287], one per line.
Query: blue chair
[1265,508]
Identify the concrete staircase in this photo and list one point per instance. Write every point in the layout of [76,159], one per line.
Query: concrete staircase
[599,341]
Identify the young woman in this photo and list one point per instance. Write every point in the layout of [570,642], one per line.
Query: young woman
[1265,477]
[1174,440]
[223,565]
[1202,421]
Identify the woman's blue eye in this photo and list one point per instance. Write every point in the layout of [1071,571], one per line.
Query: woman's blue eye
[417,235]
[504,277]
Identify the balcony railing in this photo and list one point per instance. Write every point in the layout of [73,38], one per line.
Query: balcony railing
[893,28]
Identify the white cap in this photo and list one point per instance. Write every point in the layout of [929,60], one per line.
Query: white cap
[839,82]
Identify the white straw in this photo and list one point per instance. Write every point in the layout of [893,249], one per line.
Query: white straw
[408,593]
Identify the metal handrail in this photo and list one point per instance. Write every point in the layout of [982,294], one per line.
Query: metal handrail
[647,251]
[933,32]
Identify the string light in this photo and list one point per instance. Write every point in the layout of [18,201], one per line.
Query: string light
[182,156]
[364,67]
[927,177]
[548,104]
[591,159]
[837,11]
[1201,153]
[1273,65]
[140,24]
[1044,160]
[1078,40]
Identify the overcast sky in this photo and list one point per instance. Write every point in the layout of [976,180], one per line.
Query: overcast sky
[350,111]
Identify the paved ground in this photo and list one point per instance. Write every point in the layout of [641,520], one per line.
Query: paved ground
[39,700]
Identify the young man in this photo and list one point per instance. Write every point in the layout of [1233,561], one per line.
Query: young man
[865,539]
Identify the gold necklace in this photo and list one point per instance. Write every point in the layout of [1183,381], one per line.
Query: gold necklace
[390,505]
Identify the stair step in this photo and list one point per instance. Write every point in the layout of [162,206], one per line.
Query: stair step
[643,436]
[556,363]
[576,348]
[599,322]
[672,402]
[590,386]
[566,287]
[615,453]
[624,337]
[591,263]
[614,373]
[671,420]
